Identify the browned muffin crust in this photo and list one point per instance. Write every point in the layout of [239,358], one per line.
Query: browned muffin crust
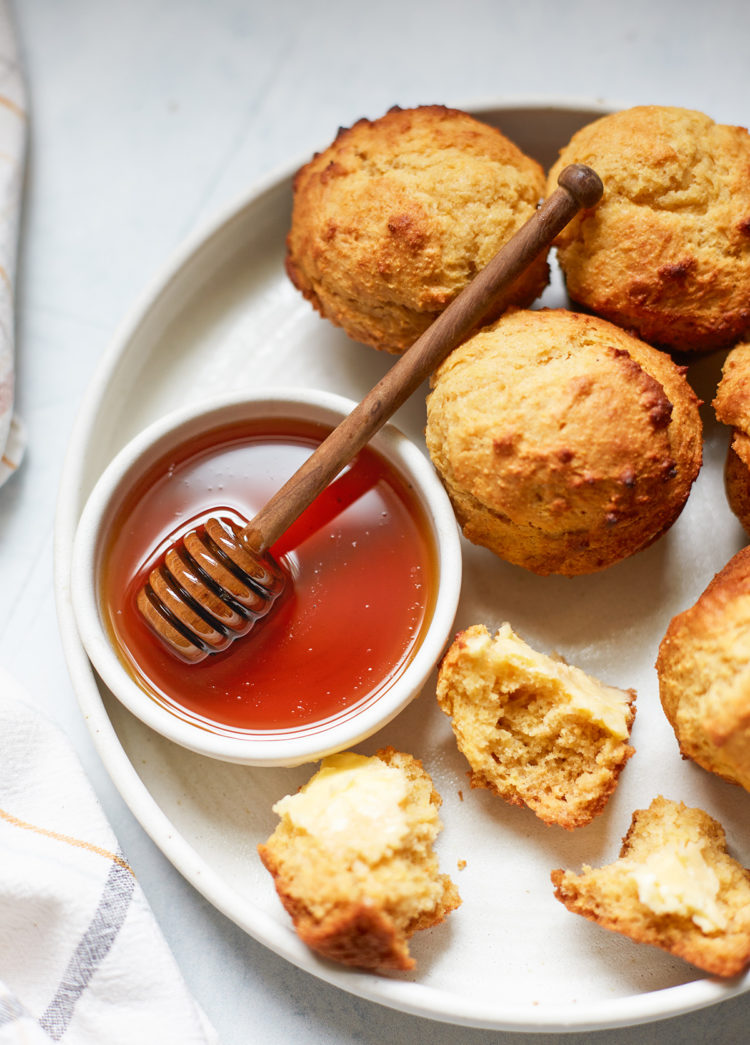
[565,443]
[666,252]
[732,407]
[703,667]
[535,731]
[397,215]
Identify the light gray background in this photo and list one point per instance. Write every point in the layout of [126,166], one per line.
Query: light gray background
[147,117]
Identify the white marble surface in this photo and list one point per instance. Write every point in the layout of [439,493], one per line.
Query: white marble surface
[147,118]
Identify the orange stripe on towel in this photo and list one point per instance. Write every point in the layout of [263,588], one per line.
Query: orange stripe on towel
[68,839]
[9,104]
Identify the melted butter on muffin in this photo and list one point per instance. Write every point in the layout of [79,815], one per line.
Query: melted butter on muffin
[679,880]
[353,804]
[675,886]
[605,705]
[353,862]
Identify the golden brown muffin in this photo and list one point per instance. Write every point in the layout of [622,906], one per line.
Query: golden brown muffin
[666,252]
[732,406]
[535,730]
[704,674]
[674,886]
[398,214]
[565,443]
[352,859]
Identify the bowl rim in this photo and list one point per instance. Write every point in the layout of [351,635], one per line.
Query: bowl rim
[309,744]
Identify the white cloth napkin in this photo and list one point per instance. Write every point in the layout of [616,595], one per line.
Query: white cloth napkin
[82,960]
[13,136]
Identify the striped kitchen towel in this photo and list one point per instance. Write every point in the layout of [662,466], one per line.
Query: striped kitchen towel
[82,960]
[13,136]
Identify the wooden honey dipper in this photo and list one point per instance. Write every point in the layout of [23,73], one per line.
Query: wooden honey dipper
[215,582]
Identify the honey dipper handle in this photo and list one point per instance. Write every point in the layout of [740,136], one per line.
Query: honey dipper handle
[578,187]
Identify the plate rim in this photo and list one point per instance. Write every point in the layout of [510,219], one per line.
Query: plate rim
[405,996]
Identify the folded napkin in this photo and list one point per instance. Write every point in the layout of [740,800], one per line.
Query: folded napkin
[82,960]
[13,133]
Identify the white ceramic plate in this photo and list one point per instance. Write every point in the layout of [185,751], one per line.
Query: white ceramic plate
[224,316]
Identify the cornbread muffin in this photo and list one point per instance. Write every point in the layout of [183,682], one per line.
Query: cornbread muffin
[535,730]
[565,443]
[398,214]
[352,859]
[703,667]
[732,406]
[666,252]
[674,886]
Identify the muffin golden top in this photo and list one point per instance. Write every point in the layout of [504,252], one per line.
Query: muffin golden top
[394,218]
[564,442]
[667,250]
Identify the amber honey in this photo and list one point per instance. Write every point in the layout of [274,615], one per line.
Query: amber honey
[361,568]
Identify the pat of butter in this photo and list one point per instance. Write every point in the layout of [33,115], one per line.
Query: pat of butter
[607,706]
[678,881]
[353,804]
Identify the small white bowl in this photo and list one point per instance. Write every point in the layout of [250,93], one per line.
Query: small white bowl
[306,744]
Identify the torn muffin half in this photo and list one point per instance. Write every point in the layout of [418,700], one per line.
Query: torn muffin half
[675,886]
[353,861]
[535,730]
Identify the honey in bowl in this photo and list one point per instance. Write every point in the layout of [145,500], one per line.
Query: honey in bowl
[361,566]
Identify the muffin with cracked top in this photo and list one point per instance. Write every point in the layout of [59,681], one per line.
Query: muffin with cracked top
[704,678]
[398,214]
[666,252]
[565,443]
